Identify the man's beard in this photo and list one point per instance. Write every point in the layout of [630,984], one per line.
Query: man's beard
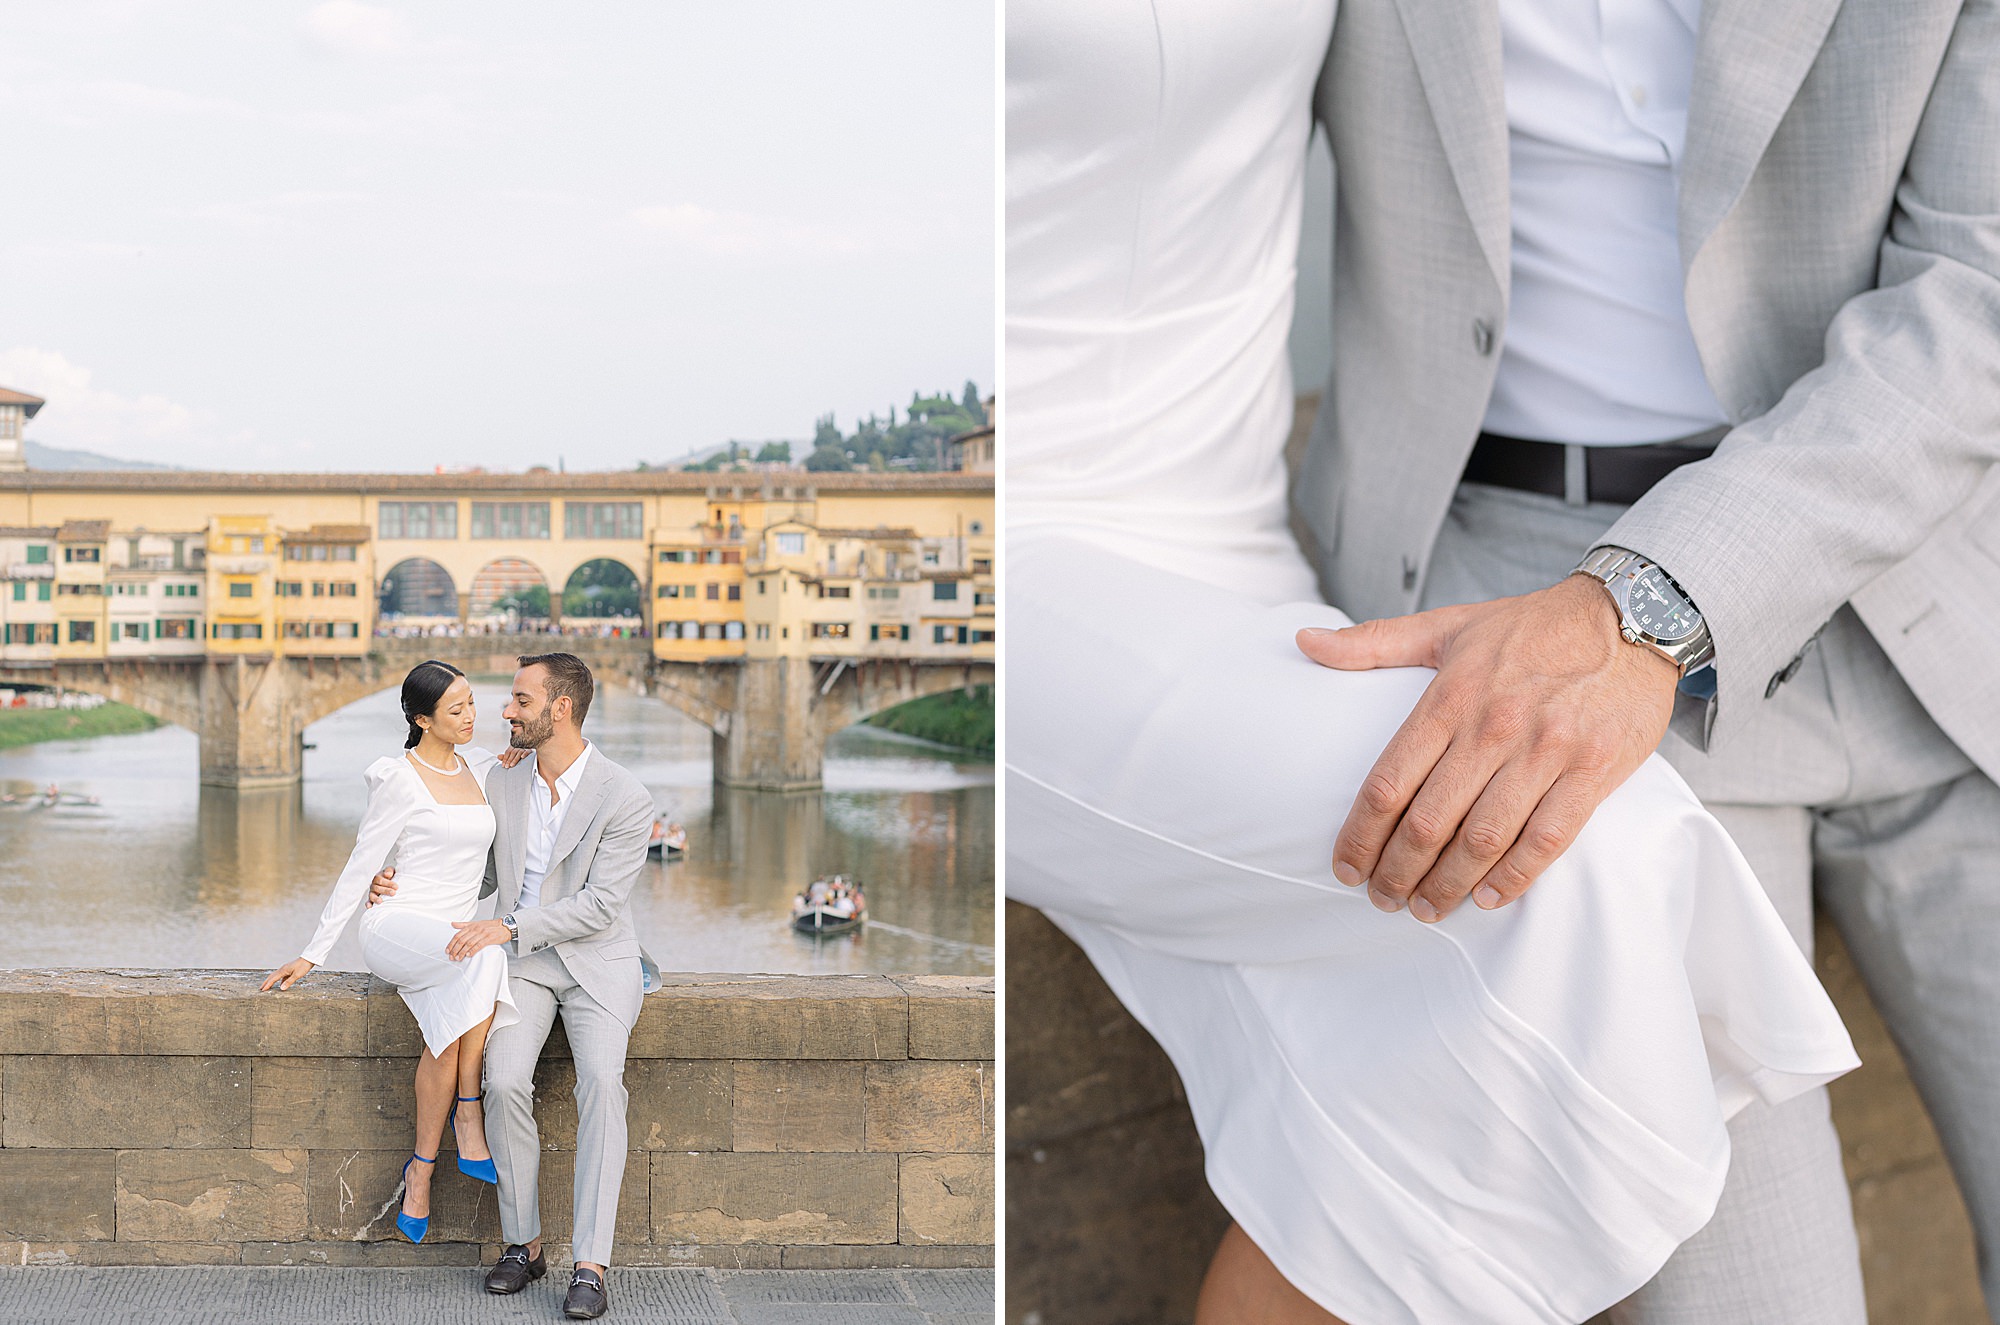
[531,735]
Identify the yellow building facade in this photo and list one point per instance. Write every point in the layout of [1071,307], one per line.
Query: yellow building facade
[167,563]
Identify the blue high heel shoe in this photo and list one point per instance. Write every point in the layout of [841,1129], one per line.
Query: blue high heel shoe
[413,1228]
[481,1169]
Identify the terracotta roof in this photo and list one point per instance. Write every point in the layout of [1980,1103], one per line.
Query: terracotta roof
[333,533]
[27,531]
[84,531]
[21,398]
[637,483]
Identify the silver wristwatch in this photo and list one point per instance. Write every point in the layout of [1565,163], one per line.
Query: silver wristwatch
[1652,609]
[512,929]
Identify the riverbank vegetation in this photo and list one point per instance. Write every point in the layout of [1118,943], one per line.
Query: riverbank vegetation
[962,718]
[27,726]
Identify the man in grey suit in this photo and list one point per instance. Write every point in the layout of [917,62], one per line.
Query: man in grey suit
[571,830]
[1701,299]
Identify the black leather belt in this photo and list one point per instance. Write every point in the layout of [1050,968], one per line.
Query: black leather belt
[1618,474]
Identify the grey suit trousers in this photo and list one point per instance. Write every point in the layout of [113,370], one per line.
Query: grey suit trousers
[541,986]
[1841,781]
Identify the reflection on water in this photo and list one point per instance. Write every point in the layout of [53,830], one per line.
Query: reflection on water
[165,872]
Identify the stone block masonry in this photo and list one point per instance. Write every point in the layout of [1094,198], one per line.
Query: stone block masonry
[183,1118]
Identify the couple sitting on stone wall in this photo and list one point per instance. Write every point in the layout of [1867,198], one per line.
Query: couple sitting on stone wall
[560,832]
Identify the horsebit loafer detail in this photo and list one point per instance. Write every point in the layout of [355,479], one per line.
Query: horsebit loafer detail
[587,1299]
[515,1271]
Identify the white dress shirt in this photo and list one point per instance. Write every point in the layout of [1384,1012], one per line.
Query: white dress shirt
[1597,346]
[545,821]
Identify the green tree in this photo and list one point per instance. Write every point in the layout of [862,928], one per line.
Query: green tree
[775,453]
[531,602]
[828,458]
[601,588]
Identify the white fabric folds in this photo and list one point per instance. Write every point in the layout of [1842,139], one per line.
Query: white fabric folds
[1508,1117]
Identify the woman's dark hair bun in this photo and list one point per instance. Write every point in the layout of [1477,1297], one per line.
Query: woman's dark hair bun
[422,689]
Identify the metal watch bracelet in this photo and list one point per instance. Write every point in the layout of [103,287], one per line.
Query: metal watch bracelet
[1618,569]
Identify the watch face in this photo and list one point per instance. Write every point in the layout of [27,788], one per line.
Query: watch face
[1659,609]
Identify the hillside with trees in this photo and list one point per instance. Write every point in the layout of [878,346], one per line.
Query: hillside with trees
[914,439]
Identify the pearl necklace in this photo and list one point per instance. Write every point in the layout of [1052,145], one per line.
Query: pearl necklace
[441,772]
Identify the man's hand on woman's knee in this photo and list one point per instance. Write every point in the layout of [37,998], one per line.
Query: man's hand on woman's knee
[1539,709]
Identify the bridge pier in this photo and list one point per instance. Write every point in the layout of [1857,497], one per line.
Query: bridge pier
[253,718]
[771,716]
[772,740]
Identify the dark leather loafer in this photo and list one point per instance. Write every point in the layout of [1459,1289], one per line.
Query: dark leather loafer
[515,1271]
[587,1299]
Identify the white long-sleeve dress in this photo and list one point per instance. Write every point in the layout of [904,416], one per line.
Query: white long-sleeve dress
[439,852]
[1510,1117]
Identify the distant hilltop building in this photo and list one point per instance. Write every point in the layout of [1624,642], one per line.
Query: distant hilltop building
[973,452]
[16,408]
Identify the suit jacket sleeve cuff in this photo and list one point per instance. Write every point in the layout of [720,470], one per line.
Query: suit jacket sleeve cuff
[1761,632]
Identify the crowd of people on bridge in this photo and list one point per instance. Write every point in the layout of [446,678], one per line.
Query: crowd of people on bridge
[394,629]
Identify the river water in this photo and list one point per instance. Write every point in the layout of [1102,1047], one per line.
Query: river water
[164,872]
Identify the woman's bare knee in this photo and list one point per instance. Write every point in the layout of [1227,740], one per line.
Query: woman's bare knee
[1243,1288]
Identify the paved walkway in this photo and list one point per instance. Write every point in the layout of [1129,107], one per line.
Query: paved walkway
[239,1295]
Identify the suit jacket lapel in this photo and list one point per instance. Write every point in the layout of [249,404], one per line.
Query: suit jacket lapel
[1456,47]
[1750,58]
[510,842]
[589,794]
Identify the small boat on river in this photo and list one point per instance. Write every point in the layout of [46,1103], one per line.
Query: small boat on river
[831,905]
[669,840]
[48,799]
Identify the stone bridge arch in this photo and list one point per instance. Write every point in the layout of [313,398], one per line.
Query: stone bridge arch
[513,588]
[772,716]
[851,692]
[416,587]
[604,580]
[168,690]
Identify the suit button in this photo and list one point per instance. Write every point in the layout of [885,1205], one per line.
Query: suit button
[1482,336]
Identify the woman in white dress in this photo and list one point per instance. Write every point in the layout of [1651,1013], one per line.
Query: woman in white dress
[427,812]
[1511,1116]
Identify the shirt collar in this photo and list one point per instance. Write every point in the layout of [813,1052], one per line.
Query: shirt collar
[566,784]
[574,773]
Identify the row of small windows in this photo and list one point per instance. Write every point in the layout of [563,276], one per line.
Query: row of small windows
[714,556]
[320,589]
[38,554]
[136,589]
[320,552]
[713,594]
[85,632]
[699,630]
[602,519]
[417,519]
[510,519]
[322,630]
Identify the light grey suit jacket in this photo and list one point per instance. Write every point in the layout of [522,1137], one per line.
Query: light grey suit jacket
[1840,242]
[584,910]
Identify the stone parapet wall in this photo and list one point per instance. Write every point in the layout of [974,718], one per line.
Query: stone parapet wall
[180,1117]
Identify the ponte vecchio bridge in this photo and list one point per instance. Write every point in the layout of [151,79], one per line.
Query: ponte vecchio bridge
[772,608]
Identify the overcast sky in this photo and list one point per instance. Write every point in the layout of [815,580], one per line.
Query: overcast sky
[267,234]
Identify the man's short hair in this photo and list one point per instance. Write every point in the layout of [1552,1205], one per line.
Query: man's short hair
[568,675]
